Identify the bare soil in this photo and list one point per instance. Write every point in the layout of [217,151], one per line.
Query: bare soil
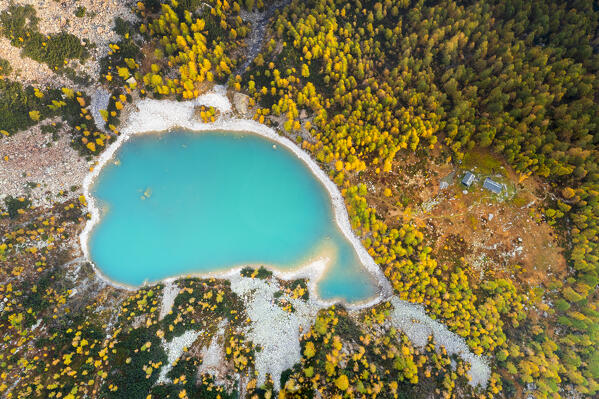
[501,236]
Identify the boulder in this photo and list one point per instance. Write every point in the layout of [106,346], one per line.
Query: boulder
[241,103]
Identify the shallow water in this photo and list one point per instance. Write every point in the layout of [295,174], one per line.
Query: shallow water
[188,203]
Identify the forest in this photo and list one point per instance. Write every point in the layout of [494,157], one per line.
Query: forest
[361,84]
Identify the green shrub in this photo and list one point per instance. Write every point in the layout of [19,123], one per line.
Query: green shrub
[264,273]
[16,102]
[20,25]
[53,129]
[58,49]
[80,12]
[5,67]
[82,79]
[128,376]
[261,273]
[13,205]
[16,21]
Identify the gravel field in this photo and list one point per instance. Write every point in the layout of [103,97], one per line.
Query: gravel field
[96,26]
[31,158]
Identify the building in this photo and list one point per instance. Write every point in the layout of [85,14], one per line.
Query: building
[492,186]
[468,179]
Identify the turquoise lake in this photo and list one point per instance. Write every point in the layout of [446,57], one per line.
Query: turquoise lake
[182,203]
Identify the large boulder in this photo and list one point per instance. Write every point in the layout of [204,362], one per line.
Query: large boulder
[241,103]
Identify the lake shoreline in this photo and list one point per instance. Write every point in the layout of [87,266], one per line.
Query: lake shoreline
[153,116]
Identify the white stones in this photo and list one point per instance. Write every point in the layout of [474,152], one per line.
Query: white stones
[217,99]
[274,329]
[213,357]
[169,293]
[174,349]
[418,326]
[99,101]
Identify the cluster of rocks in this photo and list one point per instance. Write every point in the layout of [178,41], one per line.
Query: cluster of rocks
[32,164]
[95,27]
[29,71]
